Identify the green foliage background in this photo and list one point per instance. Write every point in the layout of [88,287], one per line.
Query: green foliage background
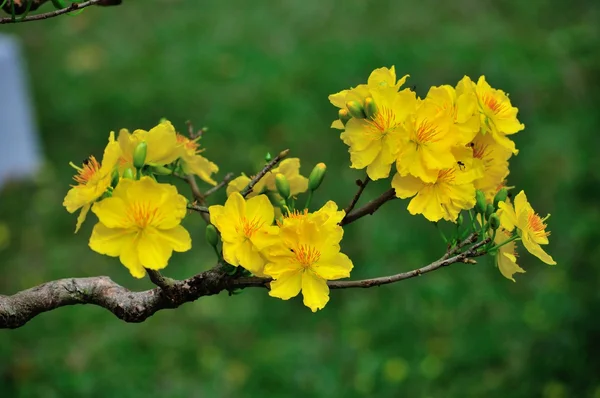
[258,74]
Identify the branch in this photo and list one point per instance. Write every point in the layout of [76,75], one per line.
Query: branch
[228,177]
[51,14]
[370,208]
[18,309]
[246,191]
[191,180]
[361,187]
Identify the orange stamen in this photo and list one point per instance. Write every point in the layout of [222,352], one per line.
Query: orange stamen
[307,255]
[537,225]
[493,104]
[143,214]
[384,121]
[427,133]
[90,168]
[249,227]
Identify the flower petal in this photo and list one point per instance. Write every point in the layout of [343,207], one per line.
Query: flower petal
[537,250]
[82,215]
[109,241]
[178,238]
[288,285]
[153,252]
[315,291]
[129,258]
[333,267]
[112,212]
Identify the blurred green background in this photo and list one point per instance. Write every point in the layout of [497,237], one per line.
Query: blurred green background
[258,74]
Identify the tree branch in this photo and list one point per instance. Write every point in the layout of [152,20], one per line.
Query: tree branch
[370,208]
[22,8]
[18,309]
[246,191]
[228,177]
[361,187]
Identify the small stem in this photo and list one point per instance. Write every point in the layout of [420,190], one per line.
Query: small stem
[308,199]
[512,238]
[441,232]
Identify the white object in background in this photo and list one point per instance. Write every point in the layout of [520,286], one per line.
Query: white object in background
[19,143]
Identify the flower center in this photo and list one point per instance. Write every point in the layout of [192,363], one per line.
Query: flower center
[85,173]
[446,176]
[143,214]
[537,225]
[306,255]
[381,123]
[426,132]
[492,104]
[480,151]
[249,227]
[298,214]
[190,145]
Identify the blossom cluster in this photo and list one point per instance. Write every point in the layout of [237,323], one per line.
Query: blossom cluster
[445,147]
[139,218]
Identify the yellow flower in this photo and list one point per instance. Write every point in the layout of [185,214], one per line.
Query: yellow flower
[426,143]
[246,229]
[374,141]
[498,116]
[93,179]
[140,224]
[451,192]
[290,168]
[506,258]
[530,226]
[163,147]
[307,256]
[193,162]
[460,105]
[491,161]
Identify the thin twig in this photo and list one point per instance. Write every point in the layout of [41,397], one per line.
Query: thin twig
[199,209]
[18,309]
[248,189]
[361,187]
[198,196]
[52,14]
[228,177]
[159,280]
[370,207]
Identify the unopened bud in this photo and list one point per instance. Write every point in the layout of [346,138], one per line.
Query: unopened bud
[356,109]
[316,176]
[460,219]
[128,173]
[494,221]
[161,170]
[114,178]
[370,108]
[162,120]
[488,211]
[501,196]
[283,186]
[139,155]
[212,236]
[268,157]
[344,115]
[480,204]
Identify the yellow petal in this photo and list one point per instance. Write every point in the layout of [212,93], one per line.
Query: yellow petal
[382,77]
[427,203]
[265,237]
[112,212]
[153,252]
[338,99]
[406,186]
[109,241]
[507,264]
[287,285]
[201,167]
[260,209]
[280,262]
[82,216]
[315,291]
[129,258]
[508,218]
[337,124]
[333,267]
[537,250]
[178,238]
[250,258]
[235,206]
[230,253]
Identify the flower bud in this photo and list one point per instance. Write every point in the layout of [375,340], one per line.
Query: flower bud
[283,186]
[139,155]
[355,109]
[501,196]
[370,108]
[268,157]
[114,178]
[480,205]
[460,219]
[211,235]
[488,211]
[128,173]
[161,170]
[344,115]
[494,221]
[316,176]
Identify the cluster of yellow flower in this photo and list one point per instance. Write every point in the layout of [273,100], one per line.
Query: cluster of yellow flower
[446,147]
[139,218]
[451,151]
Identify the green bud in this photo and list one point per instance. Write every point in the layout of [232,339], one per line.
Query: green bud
[355,109]
[370,108]
[501,196]
[460,219]
[115,178]
[161,170]
[162,120]
[268,157]
[494,221]
[212,236]
[488,211]
[480,204]
[316,176]
[283,186]
[128,173]
[344,115]
[139,155]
